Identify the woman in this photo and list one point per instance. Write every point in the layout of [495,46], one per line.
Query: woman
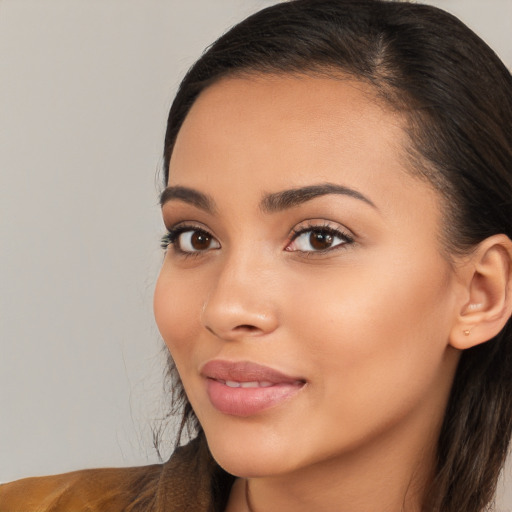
[336,290]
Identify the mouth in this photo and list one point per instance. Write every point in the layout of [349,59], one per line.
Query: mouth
[246,388]
[251,384]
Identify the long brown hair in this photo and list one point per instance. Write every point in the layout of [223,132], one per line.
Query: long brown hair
[456,96]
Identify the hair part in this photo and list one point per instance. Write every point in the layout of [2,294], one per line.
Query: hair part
[455,96]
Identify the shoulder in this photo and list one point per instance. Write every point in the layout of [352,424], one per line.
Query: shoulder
[112,489]
[189,481]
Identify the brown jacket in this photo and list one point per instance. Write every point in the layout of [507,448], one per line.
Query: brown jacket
[190,481]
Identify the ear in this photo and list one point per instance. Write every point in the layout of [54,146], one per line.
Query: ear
[487,303]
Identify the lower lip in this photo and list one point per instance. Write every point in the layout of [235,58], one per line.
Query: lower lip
[248,401]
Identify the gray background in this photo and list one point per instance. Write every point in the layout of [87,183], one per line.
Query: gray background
[85,86]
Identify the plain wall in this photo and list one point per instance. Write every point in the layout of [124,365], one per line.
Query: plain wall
[85,86]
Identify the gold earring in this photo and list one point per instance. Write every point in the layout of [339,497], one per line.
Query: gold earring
[467,332]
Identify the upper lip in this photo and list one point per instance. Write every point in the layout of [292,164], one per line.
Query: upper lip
[245,371]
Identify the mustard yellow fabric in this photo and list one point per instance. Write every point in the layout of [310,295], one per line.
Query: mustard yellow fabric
[189,482]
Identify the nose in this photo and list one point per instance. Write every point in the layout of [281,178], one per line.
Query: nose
[241,302]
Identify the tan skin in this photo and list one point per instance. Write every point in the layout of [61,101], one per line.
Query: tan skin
[350,291]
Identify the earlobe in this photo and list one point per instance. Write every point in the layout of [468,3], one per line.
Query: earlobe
[488,304]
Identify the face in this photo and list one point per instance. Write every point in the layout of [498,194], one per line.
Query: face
[303,296]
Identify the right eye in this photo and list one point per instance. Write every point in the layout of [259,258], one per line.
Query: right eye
[190,240]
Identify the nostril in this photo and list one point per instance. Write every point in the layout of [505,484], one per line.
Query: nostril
[239,330]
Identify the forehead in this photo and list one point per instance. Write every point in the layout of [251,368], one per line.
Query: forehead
[267,118]
[296,127]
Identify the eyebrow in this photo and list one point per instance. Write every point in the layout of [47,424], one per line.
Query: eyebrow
[271,203]
[286,199]
[190,196]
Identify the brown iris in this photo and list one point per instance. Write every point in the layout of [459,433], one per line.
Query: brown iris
[321,240]
[200,240]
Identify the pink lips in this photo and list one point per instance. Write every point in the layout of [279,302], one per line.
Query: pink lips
[245,388]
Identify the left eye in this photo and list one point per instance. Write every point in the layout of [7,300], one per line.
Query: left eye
[195,240]
[317,240]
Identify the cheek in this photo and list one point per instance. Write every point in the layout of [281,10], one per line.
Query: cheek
[368,303]
[177,311]
[379,336]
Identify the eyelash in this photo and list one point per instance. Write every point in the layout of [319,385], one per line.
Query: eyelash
[173,234]
[325,229]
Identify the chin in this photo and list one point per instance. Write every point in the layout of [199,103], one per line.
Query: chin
[251,456]
[250,464]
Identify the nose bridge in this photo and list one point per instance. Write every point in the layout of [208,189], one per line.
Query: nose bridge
[240,302]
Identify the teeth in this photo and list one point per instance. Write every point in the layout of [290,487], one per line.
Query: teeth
[254,384]
[249,384]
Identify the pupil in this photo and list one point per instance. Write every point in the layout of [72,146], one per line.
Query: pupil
[200,241]
[320,240]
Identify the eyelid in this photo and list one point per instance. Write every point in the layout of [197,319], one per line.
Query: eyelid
[321,225]
[173,224]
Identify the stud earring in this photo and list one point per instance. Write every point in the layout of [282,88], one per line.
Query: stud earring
[467,332]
